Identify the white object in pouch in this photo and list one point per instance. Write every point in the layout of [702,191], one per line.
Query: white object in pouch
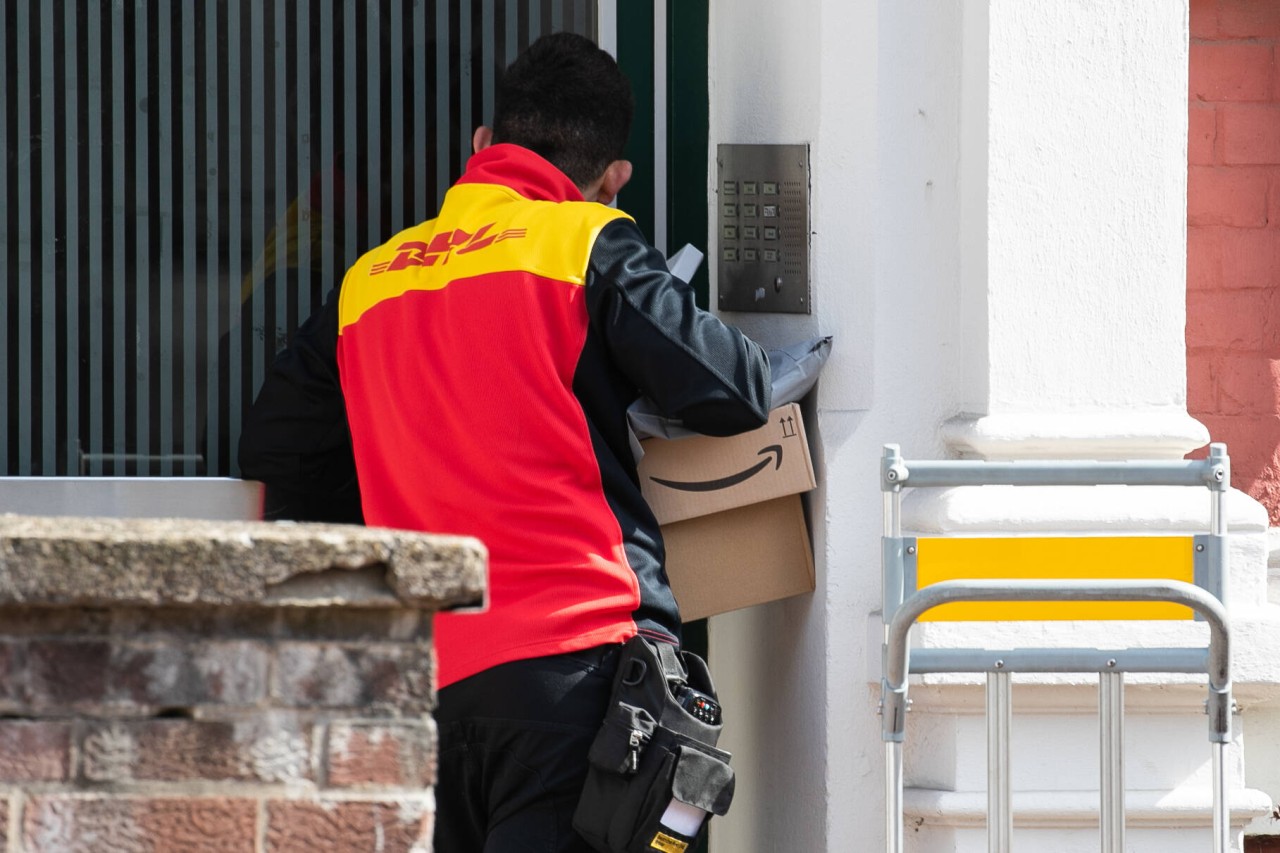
[683,818]
[684,263]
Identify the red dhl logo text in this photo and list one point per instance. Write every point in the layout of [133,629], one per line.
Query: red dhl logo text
[415,253]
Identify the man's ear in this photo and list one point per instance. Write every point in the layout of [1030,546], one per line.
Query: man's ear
[615,177]
[481,139]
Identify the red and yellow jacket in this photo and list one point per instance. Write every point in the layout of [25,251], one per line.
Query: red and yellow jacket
[487,358]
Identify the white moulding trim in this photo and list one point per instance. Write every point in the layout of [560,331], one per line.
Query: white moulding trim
[1075,509]
[1075,435]
[1190,806]
[1266,825]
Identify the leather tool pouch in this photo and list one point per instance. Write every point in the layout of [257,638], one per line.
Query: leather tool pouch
[657,744]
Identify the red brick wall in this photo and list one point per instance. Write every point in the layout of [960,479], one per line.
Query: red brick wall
[237,730]
[1233,237]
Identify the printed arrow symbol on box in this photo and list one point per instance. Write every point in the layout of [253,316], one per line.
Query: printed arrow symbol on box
[725,482]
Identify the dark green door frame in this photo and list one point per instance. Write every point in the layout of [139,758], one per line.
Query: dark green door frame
[685,193]
[688,129]
[635,56]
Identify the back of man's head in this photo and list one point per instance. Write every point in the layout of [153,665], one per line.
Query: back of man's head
[567,100]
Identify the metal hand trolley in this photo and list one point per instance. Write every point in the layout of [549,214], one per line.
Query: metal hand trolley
[1085,577]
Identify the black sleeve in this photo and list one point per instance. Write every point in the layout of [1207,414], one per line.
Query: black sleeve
[295,436]
[693,367]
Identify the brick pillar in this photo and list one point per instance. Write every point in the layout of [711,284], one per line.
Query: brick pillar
[1233,237]
[187,686]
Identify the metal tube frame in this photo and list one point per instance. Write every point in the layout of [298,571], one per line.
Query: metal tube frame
[897,651]
[1221,815]
[1212,472]
[893,798]
[897,665]
[1111,760]
[999,784]
[901,612]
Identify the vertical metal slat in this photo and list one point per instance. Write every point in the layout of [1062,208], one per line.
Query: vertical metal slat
[419,95]
[280,228]
[25,234]
[511,45]
[120,278]
[534,13]
[488,60]
[1111,760]
[660,222]
[71,461]
[395,109]
[141,279]
[94,74]
[421,91]
[165,201]
[302,136]
[442,101]
[325,207]
[607,26]
[69,240]
[49,283]
[999,787]
[350,121]
[372,182]
[258,198]
[465,55]
[234,269]
[213,270]
[190,332]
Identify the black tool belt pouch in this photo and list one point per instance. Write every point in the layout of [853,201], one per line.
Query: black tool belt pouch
[657,743]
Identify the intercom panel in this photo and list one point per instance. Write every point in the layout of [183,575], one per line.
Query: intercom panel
[762,224]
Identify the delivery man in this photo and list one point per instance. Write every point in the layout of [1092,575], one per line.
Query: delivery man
[486,359]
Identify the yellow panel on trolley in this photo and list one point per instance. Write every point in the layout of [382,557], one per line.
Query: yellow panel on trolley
[1055,558]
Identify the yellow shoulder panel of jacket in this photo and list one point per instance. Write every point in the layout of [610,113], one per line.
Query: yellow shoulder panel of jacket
[481,229]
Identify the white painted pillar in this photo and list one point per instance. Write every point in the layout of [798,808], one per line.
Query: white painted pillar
[1073,192]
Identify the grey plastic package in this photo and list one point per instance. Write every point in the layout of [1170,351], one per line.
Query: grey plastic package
[794,370]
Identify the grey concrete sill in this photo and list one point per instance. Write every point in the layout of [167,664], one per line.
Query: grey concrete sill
[175,562]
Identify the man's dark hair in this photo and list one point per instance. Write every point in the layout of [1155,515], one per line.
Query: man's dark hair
[567,100]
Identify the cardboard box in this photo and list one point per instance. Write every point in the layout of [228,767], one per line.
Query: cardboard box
[731,514]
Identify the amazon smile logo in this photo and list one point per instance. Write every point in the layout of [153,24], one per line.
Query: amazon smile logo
[772,451]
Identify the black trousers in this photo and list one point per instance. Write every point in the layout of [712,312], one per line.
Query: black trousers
[513,753]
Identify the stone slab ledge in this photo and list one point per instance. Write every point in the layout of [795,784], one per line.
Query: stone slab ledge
[60,561]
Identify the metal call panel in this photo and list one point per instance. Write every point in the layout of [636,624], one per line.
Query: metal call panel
[762,223]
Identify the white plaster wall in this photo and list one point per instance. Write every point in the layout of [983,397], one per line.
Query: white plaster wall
[998,215]
[873,87]
[1087,114]
[774,691]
